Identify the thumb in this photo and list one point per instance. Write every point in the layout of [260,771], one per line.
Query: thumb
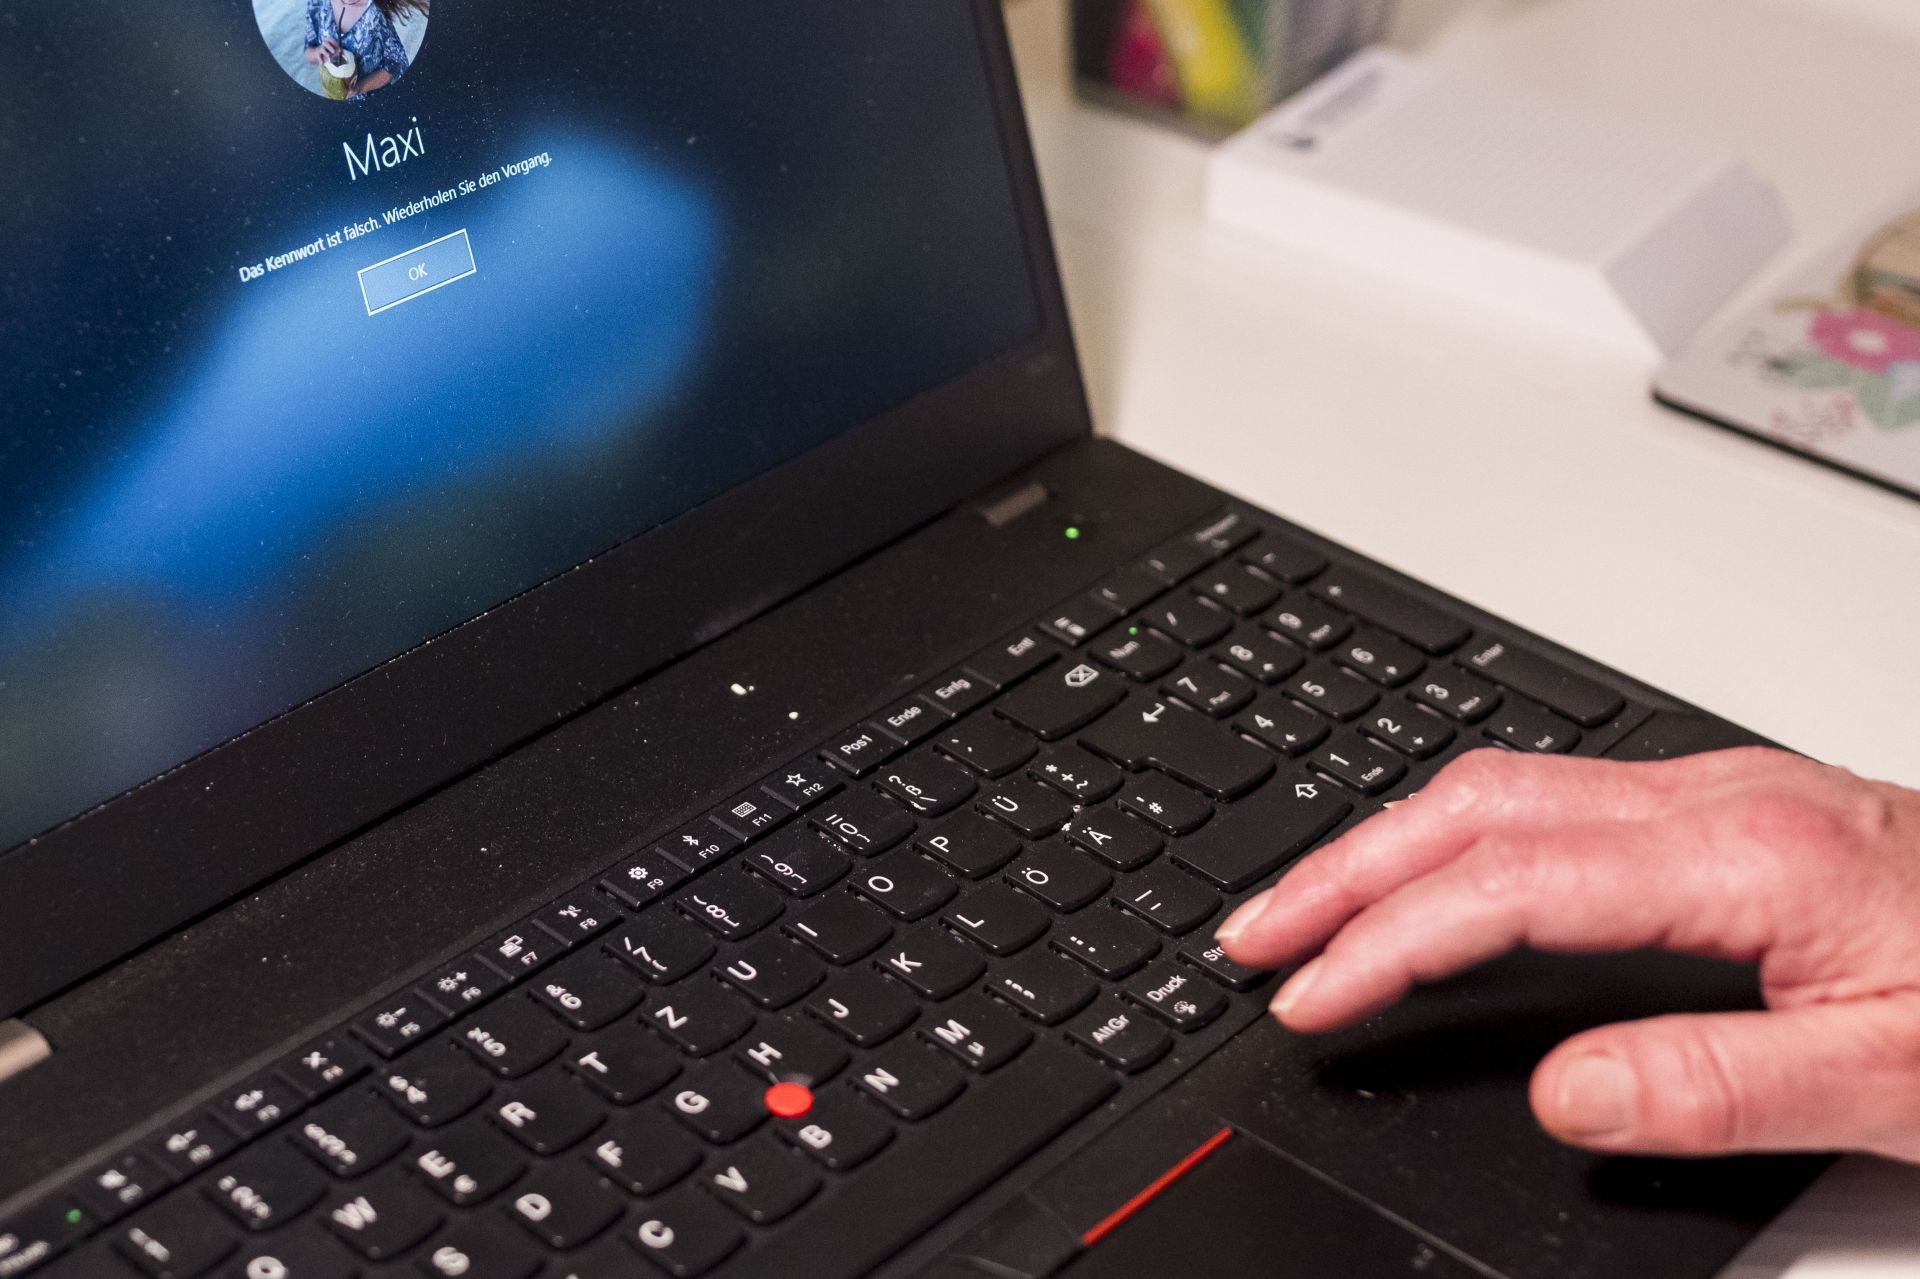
[1818,1077]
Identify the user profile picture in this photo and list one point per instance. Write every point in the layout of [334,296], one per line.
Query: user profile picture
[346,50]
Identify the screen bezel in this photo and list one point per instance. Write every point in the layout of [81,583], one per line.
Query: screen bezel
[156,857]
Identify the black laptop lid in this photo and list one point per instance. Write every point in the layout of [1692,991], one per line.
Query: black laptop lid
[327,329]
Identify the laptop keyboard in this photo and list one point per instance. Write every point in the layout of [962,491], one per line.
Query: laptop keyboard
[800,1030]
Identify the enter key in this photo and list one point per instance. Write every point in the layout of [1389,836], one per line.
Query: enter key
[1144,733]
[1252,840]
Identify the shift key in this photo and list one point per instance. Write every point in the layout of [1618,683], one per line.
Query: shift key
[1575,696]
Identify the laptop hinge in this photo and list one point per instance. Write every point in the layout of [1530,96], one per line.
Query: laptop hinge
[21,1048]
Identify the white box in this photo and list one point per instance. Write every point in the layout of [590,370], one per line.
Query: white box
[1574,221]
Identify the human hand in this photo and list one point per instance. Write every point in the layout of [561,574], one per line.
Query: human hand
[330,50]
[1753,855]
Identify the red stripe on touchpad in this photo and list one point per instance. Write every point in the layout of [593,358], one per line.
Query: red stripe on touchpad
[1155,1187]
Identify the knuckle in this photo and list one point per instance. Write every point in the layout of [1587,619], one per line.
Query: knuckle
[1473,777]
[1500,869]
[1712,1107]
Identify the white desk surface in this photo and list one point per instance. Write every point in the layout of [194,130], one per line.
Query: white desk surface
[1525,474]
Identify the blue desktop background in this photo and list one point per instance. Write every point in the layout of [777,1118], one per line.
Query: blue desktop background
[758,226]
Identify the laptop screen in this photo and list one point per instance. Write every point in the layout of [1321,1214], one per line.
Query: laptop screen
[326,325]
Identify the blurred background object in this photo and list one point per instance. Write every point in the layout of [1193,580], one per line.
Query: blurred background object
[1214,64]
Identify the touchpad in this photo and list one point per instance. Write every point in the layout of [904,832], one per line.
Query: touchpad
[1246,1210]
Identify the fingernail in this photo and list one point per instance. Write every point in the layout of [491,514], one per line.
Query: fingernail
[1599,1097]
[1237,923]
[1296,988]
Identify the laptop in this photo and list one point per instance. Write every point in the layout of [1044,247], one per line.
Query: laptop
[578,697]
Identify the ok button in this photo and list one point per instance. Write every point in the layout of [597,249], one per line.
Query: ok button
[406,276]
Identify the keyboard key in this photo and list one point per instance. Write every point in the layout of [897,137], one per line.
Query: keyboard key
[1309,623]
[1076,774]
[750,815]
[1255,838]
[179,1237]
[699,1018]
[469,1163]
[730,903]
[643,1153]
[931,961]
[465,984]
[194,1142]
[1282,725]
[1333,693]
[911,721]
[1410,731]
[990,747]
[479,1248]
[328,1065]
[1010,661]
[1165,804]
[1529,728]
[564,1206]
[1044,986]
[801,784]
[117,1187]
[699,844]
[519,949]
[1223,531]
[997,919]
[791,1049]
[968,844]
[1191,620]
[840,928]
[1279,558]
[408,1018]
[623,1063]
[262,1103]
[927,784]
[1129,588]
[980,1034]
[1575,696]
[1377,656]
[864,1007]
[1107,942]
[577,917]
[718,1101]
[1054,704]
[957,692]
[1176,561]
[266,1187]
[904,884]
[1238,587]
[349,1136]
[1143,733]
[1430,628]
[1114,838]
[384,1216]
[910,1079]
[1060,877]
[771,971]
[762,1181]
[1361,765]
[1178,996]
[1210,957]
[1209,689]
[800,861]
[860,750]
[662,948]
[1120,1035]
[641,881]
[839,1133]
[863,822]
[1259,656]
[1074,622]
[1031,809]
[1137,651]
[1456,694]
[1168,899]
[432,1086]
[588,990]
[683,1236]
[306,1252]
[512,1038]
[547,1114]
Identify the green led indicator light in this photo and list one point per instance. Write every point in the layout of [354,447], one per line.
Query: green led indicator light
[1133,630]
[73,1216]
[1073,533]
